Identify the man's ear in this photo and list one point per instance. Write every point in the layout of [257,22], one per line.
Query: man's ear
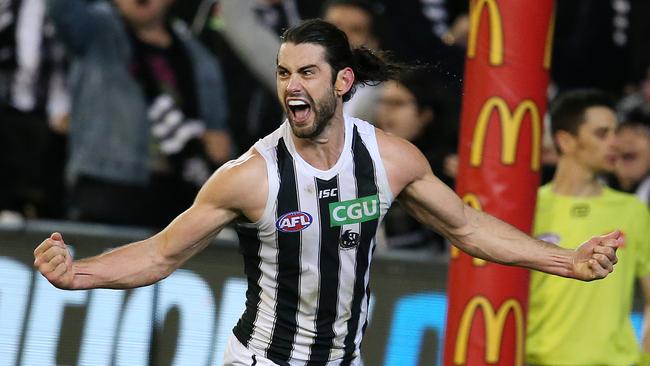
[565,141]
[344,81]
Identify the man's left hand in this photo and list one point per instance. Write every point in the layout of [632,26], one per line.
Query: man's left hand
[595,258]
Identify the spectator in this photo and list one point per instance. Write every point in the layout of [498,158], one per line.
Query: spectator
[255,111]
[638,38]
[358,19]
[632,172]
[590,37]
[239,19]
[595,317]
[33,106]
[433,33]
[408,108]
[638,101]
[147,106]
[354,17]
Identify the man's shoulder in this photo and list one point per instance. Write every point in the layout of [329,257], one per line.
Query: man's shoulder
[545,189]
[609,197]
[240,175]
[403,160]
[239,184]
[250,162]
[391,145]
[363,127]
[269,142]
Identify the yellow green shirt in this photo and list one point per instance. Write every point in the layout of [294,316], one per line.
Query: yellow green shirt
[587,323]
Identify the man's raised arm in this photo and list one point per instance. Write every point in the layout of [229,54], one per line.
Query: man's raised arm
[481,235]
[232,191]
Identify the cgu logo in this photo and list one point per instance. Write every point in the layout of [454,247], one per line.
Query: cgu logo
[293,221]
[354,211]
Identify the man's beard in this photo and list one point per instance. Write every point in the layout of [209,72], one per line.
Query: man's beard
[323,114]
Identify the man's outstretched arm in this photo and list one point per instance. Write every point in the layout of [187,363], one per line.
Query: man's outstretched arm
[482,235]
[224,196]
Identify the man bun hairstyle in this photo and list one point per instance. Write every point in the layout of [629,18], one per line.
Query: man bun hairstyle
[370,67]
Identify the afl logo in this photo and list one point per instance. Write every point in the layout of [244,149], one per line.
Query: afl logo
[293,221]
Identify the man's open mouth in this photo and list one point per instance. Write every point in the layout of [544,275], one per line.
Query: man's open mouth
[299,109]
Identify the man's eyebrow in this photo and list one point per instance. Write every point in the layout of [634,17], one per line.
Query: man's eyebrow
[303,68]
[300,69]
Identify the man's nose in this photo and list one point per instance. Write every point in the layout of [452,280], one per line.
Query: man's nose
[613,141]
[294,84]
[614,146]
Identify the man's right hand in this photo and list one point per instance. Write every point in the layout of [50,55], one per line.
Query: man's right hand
[54,261]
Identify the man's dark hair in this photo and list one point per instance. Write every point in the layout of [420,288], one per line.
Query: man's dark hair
[370,67]
[568,110]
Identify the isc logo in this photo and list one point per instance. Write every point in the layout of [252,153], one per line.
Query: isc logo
[331,192]
[293,221]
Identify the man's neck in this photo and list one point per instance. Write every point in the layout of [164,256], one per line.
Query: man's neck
[154,34]
[324,151]
[573,179]
[627,184]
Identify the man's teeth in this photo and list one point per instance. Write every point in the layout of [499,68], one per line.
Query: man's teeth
[296,103]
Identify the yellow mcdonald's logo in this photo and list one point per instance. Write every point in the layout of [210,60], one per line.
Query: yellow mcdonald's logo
[496,30]
[548,47]
[472,200]
[494,326]
[510,131]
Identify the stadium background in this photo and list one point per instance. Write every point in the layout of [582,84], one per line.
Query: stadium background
[195,308]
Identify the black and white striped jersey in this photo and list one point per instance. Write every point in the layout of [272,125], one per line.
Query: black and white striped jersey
[307,259]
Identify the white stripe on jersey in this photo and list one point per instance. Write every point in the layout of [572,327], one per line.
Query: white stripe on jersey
[346,271]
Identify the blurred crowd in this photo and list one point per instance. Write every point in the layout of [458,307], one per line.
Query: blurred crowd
[117,111]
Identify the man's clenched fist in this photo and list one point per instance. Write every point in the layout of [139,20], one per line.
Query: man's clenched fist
[54,261]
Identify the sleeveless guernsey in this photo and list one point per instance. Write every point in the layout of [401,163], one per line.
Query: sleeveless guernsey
[307,260]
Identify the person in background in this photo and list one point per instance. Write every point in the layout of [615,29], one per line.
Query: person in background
[571,323]
[33,113]
[148,112]
[359,20]
[354,17]
[409,108]
[632,172]
[433,33]
[234,26]
[637,101]
[589,37]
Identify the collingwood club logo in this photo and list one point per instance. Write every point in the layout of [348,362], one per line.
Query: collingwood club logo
[349,239]
[352,212]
